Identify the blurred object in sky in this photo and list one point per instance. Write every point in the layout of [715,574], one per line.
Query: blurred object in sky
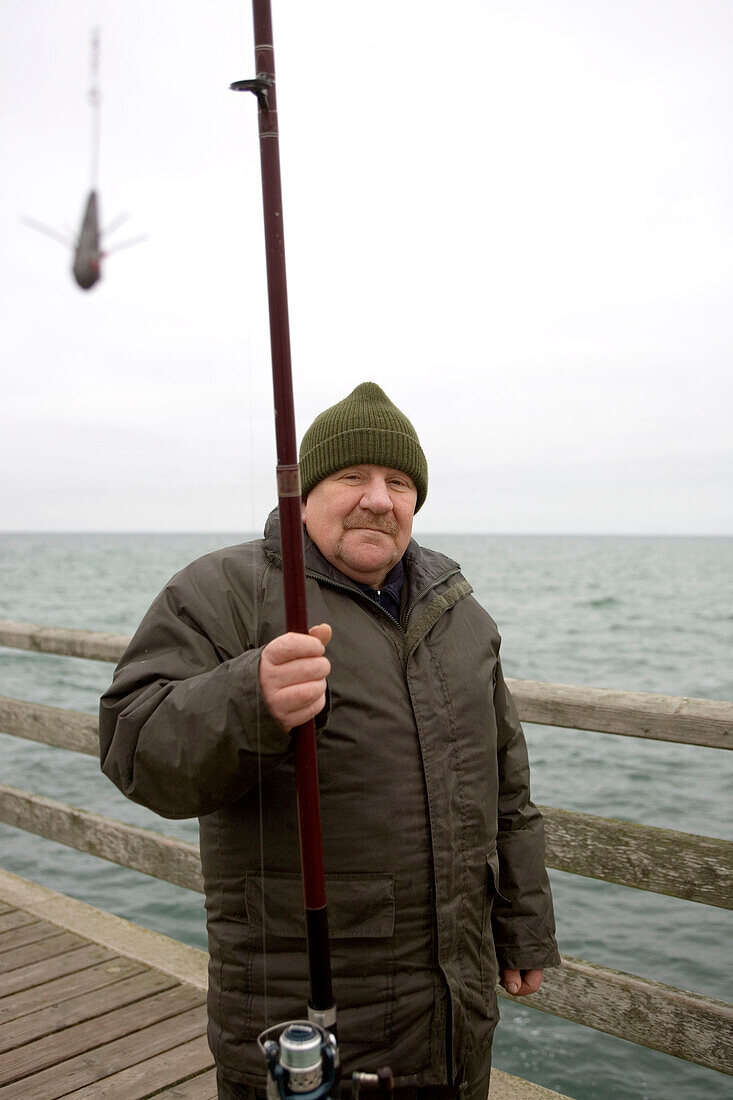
[88,254]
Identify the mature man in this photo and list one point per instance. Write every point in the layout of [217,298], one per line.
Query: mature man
[433,850]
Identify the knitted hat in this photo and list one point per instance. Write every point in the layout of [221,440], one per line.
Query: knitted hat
[363,428]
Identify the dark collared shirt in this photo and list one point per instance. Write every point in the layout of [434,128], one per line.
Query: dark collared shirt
[388,596]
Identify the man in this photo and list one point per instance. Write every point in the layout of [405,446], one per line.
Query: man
[433,851]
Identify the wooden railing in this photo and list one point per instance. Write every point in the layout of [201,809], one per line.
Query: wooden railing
[696,868]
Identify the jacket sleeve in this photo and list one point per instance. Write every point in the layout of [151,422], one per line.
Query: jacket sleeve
[522,918]
[184,728]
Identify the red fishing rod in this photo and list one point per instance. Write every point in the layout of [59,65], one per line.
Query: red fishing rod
[321,1007]
[302,1057]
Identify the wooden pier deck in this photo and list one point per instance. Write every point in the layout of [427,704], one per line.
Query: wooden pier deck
[84,1012]
[93,1006]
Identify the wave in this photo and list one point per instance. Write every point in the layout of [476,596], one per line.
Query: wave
[602,601]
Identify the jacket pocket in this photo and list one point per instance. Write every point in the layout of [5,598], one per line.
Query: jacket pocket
[361,920]
[359,907]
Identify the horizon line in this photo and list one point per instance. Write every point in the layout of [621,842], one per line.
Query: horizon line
[426,534]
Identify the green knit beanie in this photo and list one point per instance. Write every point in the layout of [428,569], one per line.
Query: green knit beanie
[363,428]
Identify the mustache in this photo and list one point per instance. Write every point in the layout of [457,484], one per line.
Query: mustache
[371,521]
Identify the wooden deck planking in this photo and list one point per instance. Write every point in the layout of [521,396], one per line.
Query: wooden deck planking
[136,1082]
[27,933]
[136,1021]
[101,1061]
[201,1087]
[25,977]
[16,918]
[77,1010]
[79,1020]
[53,947]
[56,992]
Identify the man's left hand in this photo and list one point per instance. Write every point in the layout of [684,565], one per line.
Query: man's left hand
[521,982]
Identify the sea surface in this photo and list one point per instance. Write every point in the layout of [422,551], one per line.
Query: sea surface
[641,614]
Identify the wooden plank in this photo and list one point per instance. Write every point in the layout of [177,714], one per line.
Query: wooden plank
[56,726]
[77,1010]
[91,644]
[16,918]
[140,849]
[62,989]
[28,933]
[632,714]
[504,1086]
[35,952]
[25,977]
[188,964]
[681,865]
[201,1087]
[674,1021]
[95,1065]
[169,1068]
[80,1038]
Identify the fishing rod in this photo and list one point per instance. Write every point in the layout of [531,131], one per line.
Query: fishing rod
[301,1055]
[311,1043]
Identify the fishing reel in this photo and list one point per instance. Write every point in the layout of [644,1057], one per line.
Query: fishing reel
[303,1062]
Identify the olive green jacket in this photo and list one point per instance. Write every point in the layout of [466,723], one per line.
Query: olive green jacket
[433,851]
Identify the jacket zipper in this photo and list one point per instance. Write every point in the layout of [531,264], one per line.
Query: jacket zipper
[434,584]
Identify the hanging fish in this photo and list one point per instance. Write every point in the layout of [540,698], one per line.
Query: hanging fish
[87,247]
[88,256]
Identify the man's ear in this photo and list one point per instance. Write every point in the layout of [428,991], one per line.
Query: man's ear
[303,506]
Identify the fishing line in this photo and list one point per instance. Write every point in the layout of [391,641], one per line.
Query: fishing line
[256,639]
[94,97]
[245,51]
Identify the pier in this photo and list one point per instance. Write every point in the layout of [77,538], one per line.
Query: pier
[91,1005]
[144,1023]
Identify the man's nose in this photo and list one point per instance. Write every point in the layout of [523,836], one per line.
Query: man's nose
[375,497]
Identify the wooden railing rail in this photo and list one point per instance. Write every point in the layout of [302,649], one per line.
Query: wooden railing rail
[707,722]
[674,1021]
[93,645]
[671,1020]
[644,857]
[55,726]
[144,850]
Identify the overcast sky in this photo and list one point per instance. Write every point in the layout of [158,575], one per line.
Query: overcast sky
[514,216]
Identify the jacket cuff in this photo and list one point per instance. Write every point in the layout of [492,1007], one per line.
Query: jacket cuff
[513,958]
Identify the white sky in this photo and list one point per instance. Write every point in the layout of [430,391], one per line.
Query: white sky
[514,216]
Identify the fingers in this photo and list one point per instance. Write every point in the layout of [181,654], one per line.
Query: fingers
[532,981]
[323,632]
[293,647]
[292,674]
[511,980]
[520,983]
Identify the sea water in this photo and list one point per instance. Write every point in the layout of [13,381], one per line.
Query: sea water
[640,614]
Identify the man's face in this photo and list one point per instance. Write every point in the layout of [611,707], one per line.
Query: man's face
[360,518]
